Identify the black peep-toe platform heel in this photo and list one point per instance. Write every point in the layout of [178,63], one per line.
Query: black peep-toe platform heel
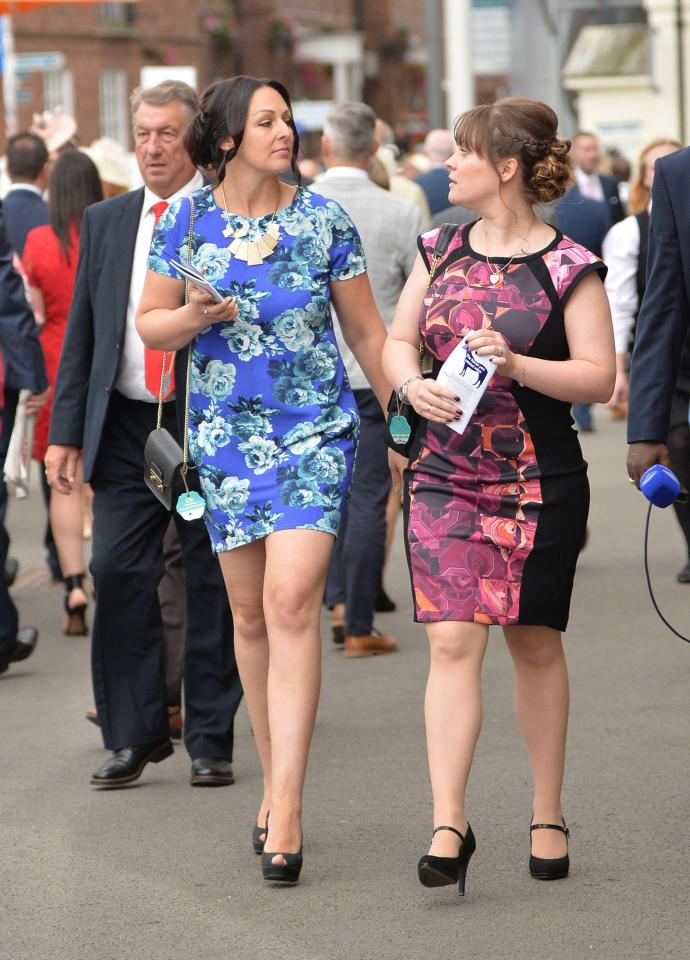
[442,871]
[542,868]
[286,873]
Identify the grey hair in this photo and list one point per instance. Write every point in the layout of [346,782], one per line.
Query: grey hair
[351,128]
[166,92]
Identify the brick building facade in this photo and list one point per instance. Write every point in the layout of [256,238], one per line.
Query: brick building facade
[105,46]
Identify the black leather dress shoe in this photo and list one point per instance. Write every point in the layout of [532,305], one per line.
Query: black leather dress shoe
[211,772]
[24,646]
[126,764]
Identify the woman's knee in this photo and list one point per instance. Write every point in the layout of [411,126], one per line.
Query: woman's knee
[291,606]
[249,621]
[454,643]
[541,648]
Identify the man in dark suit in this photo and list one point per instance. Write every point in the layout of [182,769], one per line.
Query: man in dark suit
[19,342]
[438,146]
[106,404]
[586,155]
[662,324]
[27,168]
[24,209]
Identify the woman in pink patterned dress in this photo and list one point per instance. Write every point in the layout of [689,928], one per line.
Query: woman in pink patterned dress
[495,517]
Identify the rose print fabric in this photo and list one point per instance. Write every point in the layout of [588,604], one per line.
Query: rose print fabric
[273,422]
[495,518]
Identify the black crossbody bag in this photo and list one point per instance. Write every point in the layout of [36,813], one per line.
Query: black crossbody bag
[404,412]
[166,463]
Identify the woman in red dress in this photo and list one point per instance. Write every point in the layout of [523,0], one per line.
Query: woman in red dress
[50,262]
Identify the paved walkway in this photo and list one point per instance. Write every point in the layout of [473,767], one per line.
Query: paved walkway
[162,871]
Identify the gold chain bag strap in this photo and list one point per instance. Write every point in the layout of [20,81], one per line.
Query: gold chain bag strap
[402,419]
[166,463]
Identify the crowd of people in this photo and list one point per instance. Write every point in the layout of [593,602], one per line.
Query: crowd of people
[335,281]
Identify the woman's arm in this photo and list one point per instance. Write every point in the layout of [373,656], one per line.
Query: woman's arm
[401,353]
[363,329]
[621,254]
[590,373]
[37,304]
[165,322]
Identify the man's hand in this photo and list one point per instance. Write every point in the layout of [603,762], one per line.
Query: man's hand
[61,466]
[36,401]
[643,455]
[396,464]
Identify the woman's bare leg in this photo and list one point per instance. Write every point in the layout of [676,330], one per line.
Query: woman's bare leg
[453,714]
[542,699]
[243,571]
[67,523]
[296,566]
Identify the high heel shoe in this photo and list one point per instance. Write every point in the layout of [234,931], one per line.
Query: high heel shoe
[257,842]
[285,873]
[76,616]
[442,871]
[543,868]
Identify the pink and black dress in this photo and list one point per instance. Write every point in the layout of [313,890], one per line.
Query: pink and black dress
[495,518]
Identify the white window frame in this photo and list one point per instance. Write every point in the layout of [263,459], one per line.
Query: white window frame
[58,91]
[114,105]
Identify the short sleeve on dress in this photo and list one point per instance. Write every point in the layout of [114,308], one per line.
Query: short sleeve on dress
[571,263]
[346,253]
[170,238]
[426,243]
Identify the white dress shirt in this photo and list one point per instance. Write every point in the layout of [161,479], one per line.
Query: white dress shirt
[25,186]
[621,254]
[131,376]
[589,185]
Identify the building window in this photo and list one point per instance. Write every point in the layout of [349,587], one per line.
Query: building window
[58,91]
[114,106]
[116,14]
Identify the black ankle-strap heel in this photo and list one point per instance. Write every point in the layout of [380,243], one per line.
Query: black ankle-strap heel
[442,871]
[542,868]
[76,616]
[257,842]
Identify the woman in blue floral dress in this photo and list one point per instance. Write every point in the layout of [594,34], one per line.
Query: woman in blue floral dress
[273,422]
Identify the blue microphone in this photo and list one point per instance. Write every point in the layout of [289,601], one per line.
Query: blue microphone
[661,486]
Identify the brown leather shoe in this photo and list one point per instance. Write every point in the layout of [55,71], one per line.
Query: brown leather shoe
[369,644]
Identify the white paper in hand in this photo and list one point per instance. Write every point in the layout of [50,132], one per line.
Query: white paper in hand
[189,272]
[468,375]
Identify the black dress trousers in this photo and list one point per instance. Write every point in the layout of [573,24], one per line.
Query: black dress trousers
[127,564]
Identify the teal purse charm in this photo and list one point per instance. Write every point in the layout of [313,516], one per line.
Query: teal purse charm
[190,505]
[399,429]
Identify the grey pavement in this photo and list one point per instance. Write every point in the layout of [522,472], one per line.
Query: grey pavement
[163,870]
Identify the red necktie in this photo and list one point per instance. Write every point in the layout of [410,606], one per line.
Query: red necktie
[153,359]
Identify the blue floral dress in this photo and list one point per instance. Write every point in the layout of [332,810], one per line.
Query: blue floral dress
[273,422]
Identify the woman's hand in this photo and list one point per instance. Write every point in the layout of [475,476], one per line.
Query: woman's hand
[209,310]
[490,343]
[433,402]
[397,464]
[620,390]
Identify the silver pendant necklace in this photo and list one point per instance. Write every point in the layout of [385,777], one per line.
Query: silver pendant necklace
[495,271]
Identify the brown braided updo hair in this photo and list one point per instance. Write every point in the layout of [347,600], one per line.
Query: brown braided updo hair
[527,130]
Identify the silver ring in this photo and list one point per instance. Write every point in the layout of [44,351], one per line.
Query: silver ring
[630,480]
[204,310]
[428,408]
[500,351]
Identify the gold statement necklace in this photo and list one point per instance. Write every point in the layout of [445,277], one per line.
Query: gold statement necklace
[253,252]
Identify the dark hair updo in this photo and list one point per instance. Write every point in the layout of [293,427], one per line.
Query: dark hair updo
[527,130]
[223,116]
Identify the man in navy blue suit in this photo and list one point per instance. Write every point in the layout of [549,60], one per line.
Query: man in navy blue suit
[27,168]
[438,146]
[24,209]
[105,406]
[662,325]
[19,341]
